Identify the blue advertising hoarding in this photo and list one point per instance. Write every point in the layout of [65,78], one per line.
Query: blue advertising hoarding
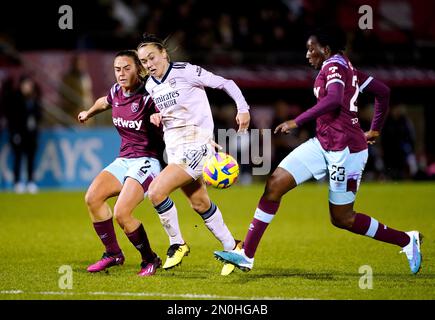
[66,158]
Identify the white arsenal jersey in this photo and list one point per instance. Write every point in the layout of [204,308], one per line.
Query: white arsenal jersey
[182,101]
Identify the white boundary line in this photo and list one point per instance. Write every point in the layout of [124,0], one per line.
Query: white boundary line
[144,294]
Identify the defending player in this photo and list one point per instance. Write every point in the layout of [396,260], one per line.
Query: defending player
[338,150]
[178,92]
[130,175]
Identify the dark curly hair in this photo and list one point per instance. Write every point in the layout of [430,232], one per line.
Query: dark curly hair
[331,36]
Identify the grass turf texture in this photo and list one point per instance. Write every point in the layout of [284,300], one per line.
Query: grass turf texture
[301,256]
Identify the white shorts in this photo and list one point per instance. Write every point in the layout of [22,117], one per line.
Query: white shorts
[189,147]
[344,168]
[143,170]
[191,157]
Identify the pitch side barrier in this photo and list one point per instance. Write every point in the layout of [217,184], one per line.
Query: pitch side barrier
[66,158]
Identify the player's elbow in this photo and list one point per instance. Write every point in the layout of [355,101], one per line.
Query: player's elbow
[335,102]
[379,89]
[229,85]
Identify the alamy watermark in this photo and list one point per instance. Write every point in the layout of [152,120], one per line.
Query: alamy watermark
[252,148]
[66,20]
[66,278]
[366,20]
[366,280]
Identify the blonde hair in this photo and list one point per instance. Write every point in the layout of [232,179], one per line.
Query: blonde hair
[150,39]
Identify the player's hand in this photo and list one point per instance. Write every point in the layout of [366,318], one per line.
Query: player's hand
[83,117]
[243,120]
[286,126]
[155,119]
[371,136]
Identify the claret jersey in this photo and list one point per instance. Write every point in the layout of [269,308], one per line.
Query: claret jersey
[339,128]
[131,117]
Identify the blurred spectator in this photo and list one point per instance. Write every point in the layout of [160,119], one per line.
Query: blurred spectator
[364,45]
[374,168]
[398,143]
[129,13]
[5,91]
[283,144]
[238,145]
[405,28]
[225,31]
[76,87]
[175,45]
[242,33]
[23,113]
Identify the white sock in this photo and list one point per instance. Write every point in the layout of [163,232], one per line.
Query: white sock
[215,223]
[169,220]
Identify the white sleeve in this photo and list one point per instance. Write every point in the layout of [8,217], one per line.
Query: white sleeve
[200,77]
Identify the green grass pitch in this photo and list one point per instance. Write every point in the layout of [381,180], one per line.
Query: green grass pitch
[301,256]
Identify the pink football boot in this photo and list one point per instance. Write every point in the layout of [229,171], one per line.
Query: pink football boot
[107,261]
[149,268]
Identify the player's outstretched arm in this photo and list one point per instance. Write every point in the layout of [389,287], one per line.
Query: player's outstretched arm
[202,77]
[286,126]
[243,117]
[100,105]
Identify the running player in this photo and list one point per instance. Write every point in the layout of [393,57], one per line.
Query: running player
[130,175]
[339,150]
[178,92]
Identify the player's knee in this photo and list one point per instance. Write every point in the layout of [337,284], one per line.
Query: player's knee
[273,191]
[343,220]
[155,195]
[200,206]
[122,216]
[337,222]
[92,199]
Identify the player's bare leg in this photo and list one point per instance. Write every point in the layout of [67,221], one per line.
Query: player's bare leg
[170,179]
[196,192]
[132,194]
[104,186]
[277,185]
[344,217]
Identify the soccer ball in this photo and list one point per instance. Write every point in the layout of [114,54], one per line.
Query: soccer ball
[220,171]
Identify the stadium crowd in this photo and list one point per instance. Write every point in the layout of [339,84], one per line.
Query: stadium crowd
[226,34]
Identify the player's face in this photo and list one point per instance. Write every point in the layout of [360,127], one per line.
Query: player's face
[315,53]
[153,60]
[125,72]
